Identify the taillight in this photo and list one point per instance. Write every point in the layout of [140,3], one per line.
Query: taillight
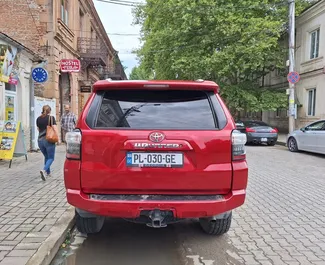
[275,130]
[238,145]
[250,130]
[73,140]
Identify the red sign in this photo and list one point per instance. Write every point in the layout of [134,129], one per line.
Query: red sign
[69,65]
[293,77]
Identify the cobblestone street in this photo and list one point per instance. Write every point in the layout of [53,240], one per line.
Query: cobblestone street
[282,222]
[30,209]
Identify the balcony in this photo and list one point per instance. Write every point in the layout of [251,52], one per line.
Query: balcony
[116,73]
[93,52]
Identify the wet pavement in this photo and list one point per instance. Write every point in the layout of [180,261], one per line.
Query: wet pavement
[282,222]
[123,243]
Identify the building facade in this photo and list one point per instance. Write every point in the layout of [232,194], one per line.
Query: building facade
[16,64]
[57,30]
[310,64]
[76,32]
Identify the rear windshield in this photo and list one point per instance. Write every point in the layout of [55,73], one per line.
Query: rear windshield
[162,109]
[254,123]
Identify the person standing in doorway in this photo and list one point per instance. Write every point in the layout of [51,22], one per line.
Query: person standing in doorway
[68,121]
[47,148]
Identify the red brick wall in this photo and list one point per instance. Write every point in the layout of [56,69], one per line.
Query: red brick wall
[20,20]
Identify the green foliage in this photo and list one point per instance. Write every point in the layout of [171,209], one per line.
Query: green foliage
[139,73]
[233,42]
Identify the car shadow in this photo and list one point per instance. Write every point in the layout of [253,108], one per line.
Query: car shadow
[121,242]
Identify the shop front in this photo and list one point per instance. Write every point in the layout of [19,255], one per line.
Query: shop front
[16,63]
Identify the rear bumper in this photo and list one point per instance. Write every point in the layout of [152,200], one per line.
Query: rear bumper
[258,137]
[132,209]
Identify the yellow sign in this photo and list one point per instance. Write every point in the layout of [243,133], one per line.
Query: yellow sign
[8,139]
[12,142]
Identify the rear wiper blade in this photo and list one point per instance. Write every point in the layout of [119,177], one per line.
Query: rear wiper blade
[128,112]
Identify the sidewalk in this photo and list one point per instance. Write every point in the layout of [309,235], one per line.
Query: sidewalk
[282,138]
[34,215]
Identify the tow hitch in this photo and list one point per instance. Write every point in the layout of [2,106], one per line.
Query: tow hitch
[157,218]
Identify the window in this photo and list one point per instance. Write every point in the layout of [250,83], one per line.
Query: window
[317,126]
[141,109]
[81,22]
[64,12]
[314,43]
[311,102]
[254,123]
[10,87]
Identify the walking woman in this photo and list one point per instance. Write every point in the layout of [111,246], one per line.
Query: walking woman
[46,147]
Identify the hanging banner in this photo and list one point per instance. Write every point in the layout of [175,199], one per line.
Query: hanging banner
[7,60]
[12,142]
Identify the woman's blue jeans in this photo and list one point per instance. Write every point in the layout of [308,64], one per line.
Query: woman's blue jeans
[48,150]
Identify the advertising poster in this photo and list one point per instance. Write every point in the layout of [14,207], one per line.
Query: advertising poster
[7,143]
[13,78]
[7,59]
[10,108]
[10,127]
[11,140]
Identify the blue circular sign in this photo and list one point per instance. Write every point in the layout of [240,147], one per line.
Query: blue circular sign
[39,75]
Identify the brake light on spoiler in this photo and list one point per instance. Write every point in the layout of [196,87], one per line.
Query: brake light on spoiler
[156,86]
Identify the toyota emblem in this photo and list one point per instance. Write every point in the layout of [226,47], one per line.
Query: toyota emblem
[156,137]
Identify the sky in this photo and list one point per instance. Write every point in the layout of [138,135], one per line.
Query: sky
[118,19]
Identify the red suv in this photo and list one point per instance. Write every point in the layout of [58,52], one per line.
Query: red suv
[155,152]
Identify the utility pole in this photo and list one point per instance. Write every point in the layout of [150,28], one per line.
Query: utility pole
[291,64]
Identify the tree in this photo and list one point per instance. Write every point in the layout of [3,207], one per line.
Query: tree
[233,42]
[138,73]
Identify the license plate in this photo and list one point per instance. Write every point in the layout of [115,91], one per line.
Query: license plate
[154,159]
[264,139]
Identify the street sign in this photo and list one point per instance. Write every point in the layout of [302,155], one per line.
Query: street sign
[293,77]
[40,75]
[85,89]
[69,65]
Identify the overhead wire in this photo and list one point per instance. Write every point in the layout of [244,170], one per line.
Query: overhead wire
[135,4]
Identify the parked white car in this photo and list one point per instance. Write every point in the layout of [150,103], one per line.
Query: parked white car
[310,138]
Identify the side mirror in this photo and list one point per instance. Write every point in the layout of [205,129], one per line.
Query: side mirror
[303,129]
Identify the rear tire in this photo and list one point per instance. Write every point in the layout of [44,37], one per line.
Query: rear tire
[292,145]
[216,227]
[91,225]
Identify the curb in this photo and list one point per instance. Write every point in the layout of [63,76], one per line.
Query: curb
[51,245]
[281,143]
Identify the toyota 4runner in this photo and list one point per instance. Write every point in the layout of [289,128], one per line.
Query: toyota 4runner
[155,152]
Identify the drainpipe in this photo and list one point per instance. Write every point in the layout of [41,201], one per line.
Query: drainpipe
[32,113]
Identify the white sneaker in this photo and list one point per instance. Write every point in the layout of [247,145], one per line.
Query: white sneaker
[43,175]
